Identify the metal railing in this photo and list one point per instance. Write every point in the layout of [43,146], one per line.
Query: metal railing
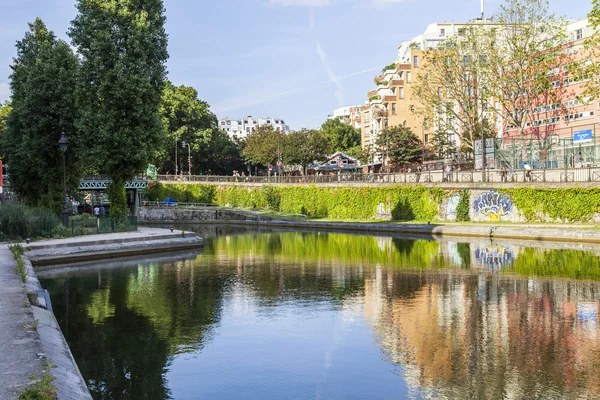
[170,204]
[94,225]
[558,175]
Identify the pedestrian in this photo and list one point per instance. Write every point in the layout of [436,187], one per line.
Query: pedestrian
[97,211]
[572,160]
[579,159]
[448,173]
[503,173]
[527,168]
[418,173]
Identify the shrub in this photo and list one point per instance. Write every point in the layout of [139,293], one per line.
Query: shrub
[462,209]
[118,199]
[21,221]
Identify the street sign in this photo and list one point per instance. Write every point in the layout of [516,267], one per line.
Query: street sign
[270,166]
[279,163]
[340,164]
[582,136]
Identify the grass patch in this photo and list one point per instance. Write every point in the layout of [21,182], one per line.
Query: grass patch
[42,388]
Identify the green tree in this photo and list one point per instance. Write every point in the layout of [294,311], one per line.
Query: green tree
[443,145]
[43,81]
[185,119]
[342,137]
[262,146]
[400,145]
[5,110]
[221,156]
[305,146]
[123,50]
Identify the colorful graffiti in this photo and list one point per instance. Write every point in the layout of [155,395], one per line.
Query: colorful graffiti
[493,205]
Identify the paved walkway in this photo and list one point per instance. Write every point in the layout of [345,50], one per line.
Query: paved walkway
[20,347]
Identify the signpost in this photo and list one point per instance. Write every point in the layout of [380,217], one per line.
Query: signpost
[582,136]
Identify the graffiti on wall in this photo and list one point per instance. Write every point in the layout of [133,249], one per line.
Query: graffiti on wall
[493,205]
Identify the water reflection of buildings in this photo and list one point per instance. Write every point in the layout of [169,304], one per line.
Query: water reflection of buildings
[488,337]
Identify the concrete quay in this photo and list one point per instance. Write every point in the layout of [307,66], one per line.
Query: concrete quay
[30,332]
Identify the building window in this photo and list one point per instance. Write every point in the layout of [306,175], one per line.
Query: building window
[416,61]
[247,130]
[268,121]
[579,34]
[442,32]
[461,31]
[401,93]
[393,108]
[426,138]
[408,77]
[245,121]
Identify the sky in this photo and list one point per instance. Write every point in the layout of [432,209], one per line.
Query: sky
[297,60]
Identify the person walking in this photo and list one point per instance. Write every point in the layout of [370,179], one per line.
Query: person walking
[503,173]
[572,160]
[418,173]
[448,173]
[527,168]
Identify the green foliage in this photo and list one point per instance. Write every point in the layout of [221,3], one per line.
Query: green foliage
[573,204]
[42,388]
[188,119]
[463,207]
[21,269]
[123,50]
[183,193]
[376,97]
[19,221]
[271,196]
[342,137]
[390,66]
[305,146]
[262,146]
[401,145]
[5,110]
[118,198]
[17,250]
[43,105]
[572,264]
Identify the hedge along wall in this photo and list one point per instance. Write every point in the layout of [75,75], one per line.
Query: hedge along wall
[404,203]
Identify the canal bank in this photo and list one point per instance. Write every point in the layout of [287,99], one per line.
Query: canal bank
[233,217]
[32,335]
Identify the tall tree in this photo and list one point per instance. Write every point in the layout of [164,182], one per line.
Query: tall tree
[123,50]
[400,145]
[43,105]
[454,85]
[221,155]
[262,147]
[305,146]
[342,137]
[526,63]
[185,119]
[5,110]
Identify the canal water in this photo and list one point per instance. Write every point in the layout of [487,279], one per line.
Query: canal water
[308,315]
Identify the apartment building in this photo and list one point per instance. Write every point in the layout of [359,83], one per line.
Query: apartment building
[563,127]
[393,102]
[242,128]
[349,115]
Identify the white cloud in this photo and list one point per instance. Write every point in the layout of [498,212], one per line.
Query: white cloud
[303,3]
[332,76]
[4,91]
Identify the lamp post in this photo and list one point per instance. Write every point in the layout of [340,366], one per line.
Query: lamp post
[183,144]
[63,148]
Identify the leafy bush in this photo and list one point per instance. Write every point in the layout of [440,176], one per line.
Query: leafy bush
[462,208]
[21,221]
[118,199]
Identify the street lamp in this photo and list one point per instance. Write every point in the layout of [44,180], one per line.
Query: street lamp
[63,148]
[183,144]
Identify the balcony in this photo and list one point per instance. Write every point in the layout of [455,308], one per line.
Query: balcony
[387,99]
[372,93]
[378,79]
[397,82]
[403,67]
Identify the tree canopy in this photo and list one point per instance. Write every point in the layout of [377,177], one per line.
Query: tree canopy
[123,50]
[305,146]
[341,136]
[43,106]
[262,147]
[400,145]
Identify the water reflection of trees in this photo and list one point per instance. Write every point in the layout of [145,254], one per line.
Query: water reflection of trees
[487,337]
[124,326]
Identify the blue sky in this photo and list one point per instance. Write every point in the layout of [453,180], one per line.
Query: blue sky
[292,59]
